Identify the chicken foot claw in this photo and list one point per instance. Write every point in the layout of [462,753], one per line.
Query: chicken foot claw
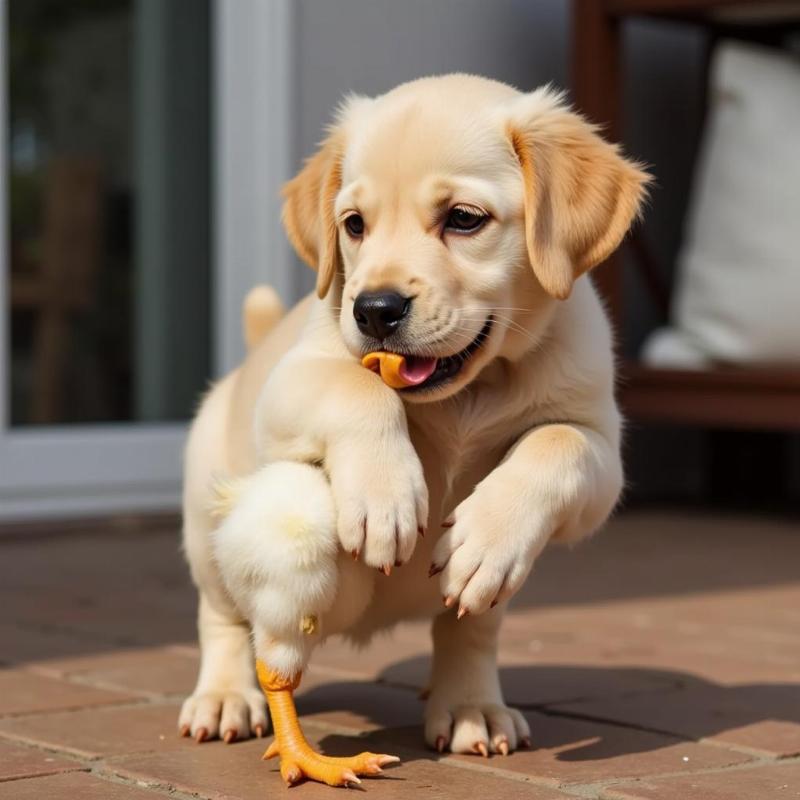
[298,759]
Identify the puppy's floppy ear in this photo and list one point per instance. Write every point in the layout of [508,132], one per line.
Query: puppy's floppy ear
[308,210]
[580,194]
[309,197]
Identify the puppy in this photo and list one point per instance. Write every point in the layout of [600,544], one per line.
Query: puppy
[451,220]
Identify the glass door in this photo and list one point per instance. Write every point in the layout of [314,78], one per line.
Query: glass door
[141,156]
[105,235]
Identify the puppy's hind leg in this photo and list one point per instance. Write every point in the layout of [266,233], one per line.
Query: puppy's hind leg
[226,701]
[465,711]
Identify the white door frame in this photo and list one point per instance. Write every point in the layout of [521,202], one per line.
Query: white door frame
[253,157]
[82,470]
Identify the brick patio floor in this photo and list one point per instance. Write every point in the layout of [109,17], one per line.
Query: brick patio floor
[660,660]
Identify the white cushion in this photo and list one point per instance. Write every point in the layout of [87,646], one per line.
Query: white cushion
[737,297]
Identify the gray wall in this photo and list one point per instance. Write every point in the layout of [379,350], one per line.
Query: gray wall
[370,46]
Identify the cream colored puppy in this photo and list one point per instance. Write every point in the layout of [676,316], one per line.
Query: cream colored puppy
[450,220]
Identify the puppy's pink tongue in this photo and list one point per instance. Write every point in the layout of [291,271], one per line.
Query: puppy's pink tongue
[417,369]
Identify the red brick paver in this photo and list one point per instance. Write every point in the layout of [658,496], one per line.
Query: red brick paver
[765,718]
[23,692]
[95,733]
[221,773]
[150,670]
[77,785]
[646,671]
[779,781]
[569,751]
[25,762]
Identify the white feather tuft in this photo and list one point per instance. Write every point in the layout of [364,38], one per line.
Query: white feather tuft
[277,550]
[224,494]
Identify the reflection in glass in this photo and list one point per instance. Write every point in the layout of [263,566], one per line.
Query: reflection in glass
[108,182]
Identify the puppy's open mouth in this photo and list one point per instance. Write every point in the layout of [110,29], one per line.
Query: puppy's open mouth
[421,373]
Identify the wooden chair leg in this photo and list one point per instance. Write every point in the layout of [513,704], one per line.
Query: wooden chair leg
[596,54]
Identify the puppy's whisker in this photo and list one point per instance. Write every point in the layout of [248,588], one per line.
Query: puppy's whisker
[482,312]
[513,325]
[502,320]
[499,317]
[517,328]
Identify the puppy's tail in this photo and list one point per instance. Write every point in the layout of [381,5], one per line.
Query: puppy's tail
[262,312]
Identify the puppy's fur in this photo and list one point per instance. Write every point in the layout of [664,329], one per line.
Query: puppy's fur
[520,448]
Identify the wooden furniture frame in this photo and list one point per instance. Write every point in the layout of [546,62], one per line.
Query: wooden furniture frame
[63,283]
[765,399]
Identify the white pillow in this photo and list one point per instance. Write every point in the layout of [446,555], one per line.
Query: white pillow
[737,297]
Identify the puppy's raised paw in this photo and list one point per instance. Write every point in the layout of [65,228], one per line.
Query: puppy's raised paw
[487,549]
[382,501]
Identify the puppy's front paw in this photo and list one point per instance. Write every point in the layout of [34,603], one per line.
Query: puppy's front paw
[489,549]
[382,502]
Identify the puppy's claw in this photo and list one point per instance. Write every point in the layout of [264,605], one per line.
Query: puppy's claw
[386,570]
[230,736]
[260,731]
[441,743]
[481,748]
[462,612]
[355,554]
[201,735]
[449,601]
[185,730]
[502,747]
[449,521]
[525,742]
[435,569]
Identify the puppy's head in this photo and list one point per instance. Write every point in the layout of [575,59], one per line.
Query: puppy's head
[451,214]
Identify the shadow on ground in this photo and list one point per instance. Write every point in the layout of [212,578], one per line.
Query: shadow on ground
[686,708]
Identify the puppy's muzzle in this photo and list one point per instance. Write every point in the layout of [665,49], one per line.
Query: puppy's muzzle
[380,314]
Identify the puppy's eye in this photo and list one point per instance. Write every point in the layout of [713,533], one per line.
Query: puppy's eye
[354,225]
[465,220]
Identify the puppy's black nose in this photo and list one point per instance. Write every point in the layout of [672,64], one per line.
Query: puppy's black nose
[379,314]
